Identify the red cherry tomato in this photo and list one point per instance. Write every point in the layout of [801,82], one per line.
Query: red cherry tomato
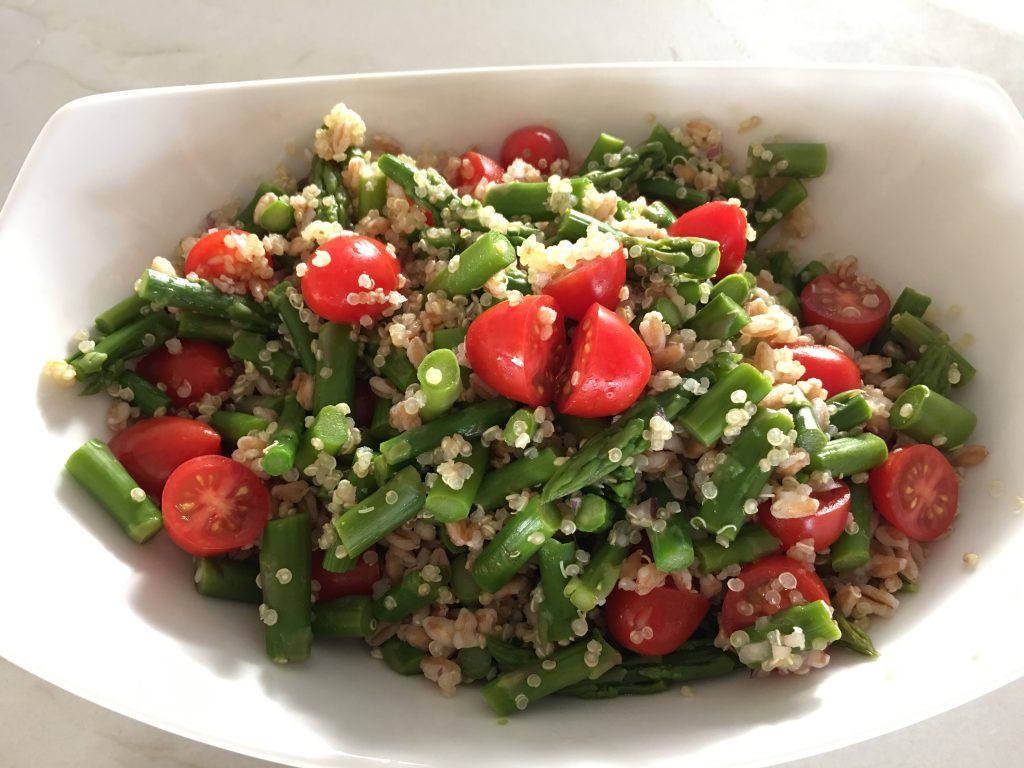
[765,594]
[722,222]
[199,368]
[597,280]
[473,169]
[917,491]
[212,504]
[830,365]
[856,308]
[537,145]
[358,581]
[517,349]
[656,623]
[824,526]
[355,280]
[216,254]
[609,368]
[153,448]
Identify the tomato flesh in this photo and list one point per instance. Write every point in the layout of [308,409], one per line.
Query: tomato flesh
[916,490]
[474,168]
[358,581]
[722,222]
[594,281]
[855,308]
[216,254]
[153,448]
[764,594]
[824,526]
[656,623]
[517,348]
[349,277]
[609,366]
[830,365]
[537,145]
[212,504]
[198,369]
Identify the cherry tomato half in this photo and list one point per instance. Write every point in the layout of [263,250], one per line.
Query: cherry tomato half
[597,280]
[917,491]
[830,365]
[722,222]
[215,254]
[200,368]
[537,145]
[765,592]
[609,368]
[824,526]
[656,623]
[517,348]
[213,504]
[348,277]
[855,308]
[473,169]
[153,448]
[358,581]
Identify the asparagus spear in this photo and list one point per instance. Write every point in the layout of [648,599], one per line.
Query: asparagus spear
[286,578]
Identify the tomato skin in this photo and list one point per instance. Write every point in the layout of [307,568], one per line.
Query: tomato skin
[757,577]
[205,510]
[840,304]
[824,527]
[672,614]
[609,367]
[153,448]
[537,145]
[597,280]
[201,365]
[830,365]
[921,474]
[504,345]
[214,254]
[722,222]
[327,287]
[358,581]
[474,168]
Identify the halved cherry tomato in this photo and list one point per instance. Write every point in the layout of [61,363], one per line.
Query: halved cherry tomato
[656,623]
[856,308]
[212,504]
[348,277]
[597,280]
[473,169]
[830,365]
[537,145]
[917,491]
[722,222]
[517,348]
[824,526]
[764,594]
[609,368]
[358,581]
[153,448]
[200,368]
[216,254]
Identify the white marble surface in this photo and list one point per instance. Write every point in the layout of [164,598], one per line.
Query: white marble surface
[52,52]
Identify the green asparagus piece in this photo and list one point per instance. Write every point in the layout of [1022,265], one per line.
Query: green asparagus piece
[672,546]
[103,476]
[811,270]
[556,613]
[787,159]
[815,619]
[854,637]
[449,338]
[280,299]
[279,456]
[660,214]
[475,663]
[736,286]
[285,575]
[672,191]
[721,318]
[534,200]
[253,348]
[328,434]
[520,429]
[586,659]
[448,505]
[463,585]
[707,417]
[350,616]
[391,505]
[809,435]
[121,314]
[518,540]
[402,657]
[440,381]
[515,477]
[914,334]
[418,588]
[741,476]
[845,456]
[674,151]
[606,144]
[468,271]
[669,312]
[373,190]
[336,367]
[594,514]
[752,543]
[204,298]
[334,200]
[780,264]
[590,588]
[234,425]
[628,167]
[851,410]
[192,325]
[852,549]
[929,417]
[149,399]
[380,422]
[228,579]
[509,655]
[469,422]
[768,212]
[141,336]
[250,403]
[245,217]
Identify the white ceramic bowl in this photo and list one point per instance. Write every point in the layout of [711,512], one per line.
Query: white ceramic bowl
[924,185]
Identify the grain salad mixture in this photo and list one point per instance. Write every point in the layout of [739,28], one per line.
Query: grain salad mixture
[559,427]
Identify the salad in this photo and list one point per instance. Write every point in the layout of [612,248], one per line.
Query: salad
[558,427]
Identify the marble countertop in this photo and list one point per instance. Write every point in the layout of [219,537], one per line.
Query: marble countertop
[53,51]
